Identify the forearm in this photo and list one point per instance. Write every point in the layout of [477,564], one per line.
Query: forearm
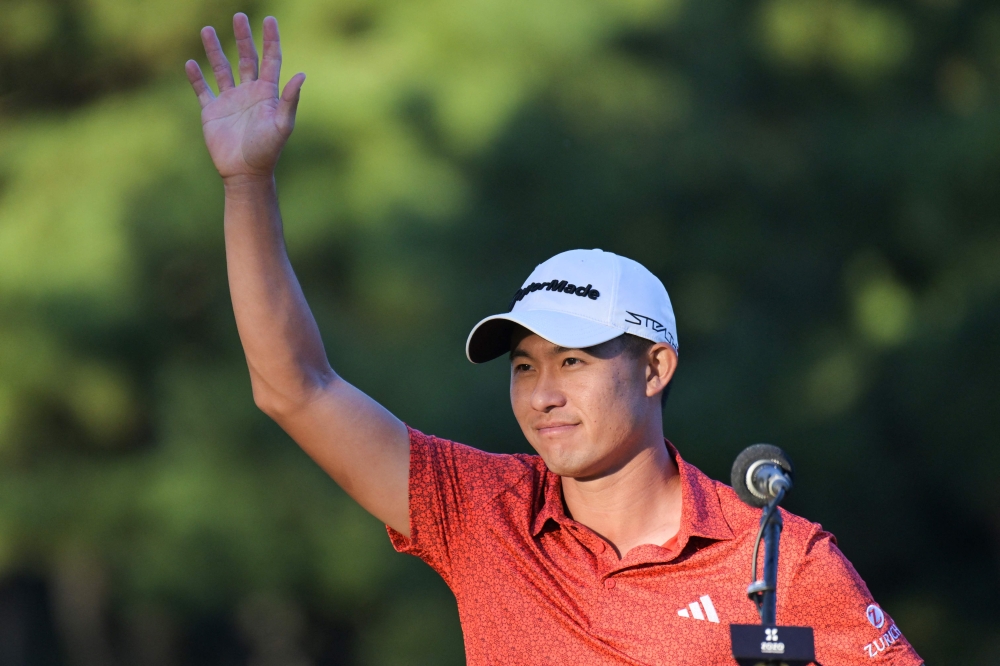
[280,338]
[360,444]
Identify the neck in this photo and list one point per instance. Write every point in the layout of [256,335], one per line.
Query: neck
[638,503]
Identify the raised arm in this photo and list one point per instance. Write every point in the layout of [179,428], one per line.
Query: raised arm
[357,441]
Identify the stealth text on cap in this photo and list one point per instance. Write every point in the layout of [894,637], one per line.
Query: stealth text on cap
[556,285]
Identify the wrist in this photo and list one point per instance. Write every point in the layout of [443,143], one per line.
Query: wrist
[245,185]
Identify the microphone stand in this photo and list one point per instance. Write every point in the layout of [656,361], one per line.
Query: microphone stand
[768,643]
[765,593]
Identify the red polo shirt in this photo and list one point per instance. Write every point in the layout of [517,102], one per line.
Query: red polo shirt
[536,587]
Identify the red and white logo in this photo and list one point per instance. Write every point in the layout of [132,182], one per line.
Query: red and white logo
[875,616]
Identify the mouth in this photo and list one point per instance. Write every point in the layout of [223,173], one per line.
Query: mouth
[553,429]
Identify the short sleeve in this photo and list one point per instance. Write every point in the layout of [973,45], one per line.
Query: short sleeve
[451,486]
[827,594]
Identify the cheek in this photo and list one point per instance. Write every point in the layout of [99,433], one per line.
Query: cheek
[520,398]
[617,402]
[515,390]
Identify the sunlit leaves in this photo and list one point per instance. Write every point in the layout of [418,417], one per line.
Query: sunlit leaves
[858,40]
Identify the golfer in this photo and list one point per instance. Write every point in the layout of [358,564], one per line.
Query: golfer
[606,547]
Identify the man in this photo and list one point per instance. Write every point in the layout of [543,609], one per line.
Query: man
[606,548]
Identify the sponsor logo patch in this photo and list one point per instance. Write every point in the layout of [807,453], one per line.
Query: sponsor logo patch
[694,610]
[882,643]
[875,616]
[642,320]
[556,285]
[772,644]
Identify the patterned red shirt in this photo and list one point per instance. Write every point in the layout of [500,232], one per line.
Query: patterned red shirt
[536,587]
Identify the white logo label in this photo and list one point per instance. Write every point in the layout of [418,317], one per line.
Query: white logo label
[875,616]
[771,644]
[882,644]
[694,610]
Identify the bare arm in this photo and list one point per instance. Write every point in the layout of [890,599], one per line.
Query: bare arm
[357,441]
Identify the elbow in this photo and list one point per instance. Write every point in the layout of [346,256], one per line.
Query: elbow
[281,405]
[269,403]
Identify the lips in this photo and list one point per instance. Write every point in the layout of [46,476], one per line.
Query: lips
[555,428]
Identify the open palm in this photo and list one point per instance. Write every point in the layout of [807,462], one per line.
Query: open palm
[246,125]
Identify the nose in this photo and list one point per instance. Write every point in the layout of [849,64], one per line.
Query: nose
[547,395]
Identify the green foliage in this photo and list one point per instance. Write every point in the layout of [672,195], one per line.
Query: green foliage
[814,180]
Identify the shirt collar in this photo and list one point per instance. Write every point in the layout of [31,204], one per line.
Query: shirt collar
[701,512]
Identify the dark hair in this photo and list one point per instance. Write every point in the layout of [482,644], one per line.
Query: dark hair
[637,348]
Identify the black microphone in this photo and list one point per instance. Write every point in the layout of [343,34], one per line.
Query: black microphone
[760,472]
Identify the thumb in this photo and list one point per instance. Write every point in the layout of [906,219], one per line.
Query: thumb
[289,102]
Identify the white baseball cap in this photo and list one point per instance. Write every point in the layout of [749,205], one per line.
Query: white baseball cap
[579,299]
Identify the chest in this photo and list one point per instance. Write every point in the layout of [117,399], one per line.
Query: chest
[527,599]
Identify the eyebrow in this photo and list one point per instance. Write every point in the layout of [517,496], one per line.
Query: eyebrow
[521,353]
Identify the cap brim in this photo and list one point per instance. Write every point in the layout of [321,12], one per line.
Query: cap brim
[490,338]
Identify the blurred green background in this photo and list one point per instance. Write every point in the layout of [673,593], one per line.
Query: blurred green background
[815,181]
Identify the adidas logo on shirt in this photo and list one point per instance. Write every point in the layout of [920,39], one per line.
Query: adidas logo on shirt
[696,612]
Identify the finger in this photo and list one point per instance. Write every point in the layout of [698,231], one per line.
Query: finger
[197,80]
[289,102]
[217,59]
[270,66]
[245,47]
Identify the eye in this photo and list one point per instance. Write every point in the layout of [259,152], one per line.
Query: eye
[572,361]
[522,367]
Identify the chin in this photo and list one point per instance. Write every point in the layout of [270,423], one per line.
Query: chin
[567,463]
[573,456]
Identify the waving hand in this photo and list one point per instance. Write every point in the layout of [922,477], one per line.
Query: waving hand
[247,125]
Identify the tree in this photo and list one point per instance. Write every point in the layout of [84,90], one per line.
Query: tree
[812,179]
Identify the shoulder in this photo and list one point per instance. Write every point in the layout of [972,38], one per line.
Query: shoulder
[804,543]
[476,471]
[743,519]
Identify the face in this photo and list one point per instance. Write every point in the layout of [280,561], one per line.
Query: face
[586,412]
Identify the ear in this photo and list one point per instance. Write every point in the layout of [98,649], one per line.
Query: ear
[661,362]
